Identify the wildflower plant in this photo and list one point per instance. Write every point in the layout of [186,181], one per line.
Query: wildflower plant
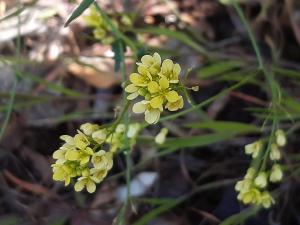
[156,84]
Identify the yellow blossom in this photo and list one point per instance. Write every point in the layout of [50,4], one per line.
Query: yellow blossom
[99,136]
[151,63]
[102,160]
[174,106]
[170,70]
[89,128]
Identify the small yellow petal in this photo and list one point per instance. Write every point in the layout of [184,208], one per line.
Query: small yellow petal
[72,155]
[90,186]
[153,87]
[152,116]
[156,102]
[79,185]
[135,78]
[163,83]
[172,96]
[176,69]
[157,58]
[133,96]
[147,59]
[131,88]
[139,107]
[167,66]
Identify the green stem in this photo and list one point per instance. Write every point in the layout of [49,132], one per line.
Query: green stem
[250,34]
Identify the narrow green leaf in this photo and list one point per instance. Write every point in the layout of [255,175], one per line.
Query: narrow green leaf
[223,126]
[218,68]
[118,52]
[79,10]
[180,36]
[239,218]
[157,211]
[287,72]
[197,141]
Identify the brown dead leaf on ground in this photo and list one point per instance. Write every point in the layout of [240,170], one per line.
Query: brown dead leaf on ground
[27,186]
[99,73]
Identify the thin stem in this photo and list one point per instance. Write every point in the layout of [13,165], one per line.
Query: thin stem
[250,34]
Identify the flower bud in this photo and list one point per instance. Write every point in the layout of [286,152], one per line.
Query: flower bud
[161,136]
[276,173]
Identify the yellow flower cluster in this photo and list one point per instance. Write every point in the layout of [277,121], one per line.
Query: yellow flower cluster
[83,157]
[157,83]
[252,189]
[102,30]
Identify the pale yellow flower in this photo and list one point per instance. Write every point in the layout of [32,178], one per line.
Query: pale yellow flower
[151,63]
[174,106]
[152,115]
[170,70]
[99,136]
[102,160]
[89,128]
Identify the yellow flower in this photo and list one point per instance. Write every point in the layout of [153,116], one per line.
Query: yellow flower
[98,174]
[151,115]
[151,63]
[276,173]
[99,136]
[85,155]
[102,160]
[170,70]
[142,78]
[254,148]
[89,128]
[161,136]
[174,106]
[81,141]
[87,182]
[63,173]
[161,92]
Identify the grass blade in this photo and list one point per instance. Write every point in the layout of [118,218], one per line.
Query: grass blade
[79,10]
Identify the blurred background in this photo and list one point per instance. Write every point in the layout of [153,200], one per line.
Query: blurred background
[54,78]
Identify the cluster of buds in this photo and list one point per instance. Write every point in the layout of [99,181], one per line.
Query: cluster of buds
[157,83]
[253,188]
[88,156]
[103,31]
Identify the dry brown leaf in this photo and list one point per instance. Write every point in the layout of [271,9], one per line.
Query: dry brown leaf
[33,188]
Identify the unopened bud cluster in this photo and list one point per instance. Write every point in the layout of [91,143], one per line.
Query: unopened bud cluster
[253,188]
